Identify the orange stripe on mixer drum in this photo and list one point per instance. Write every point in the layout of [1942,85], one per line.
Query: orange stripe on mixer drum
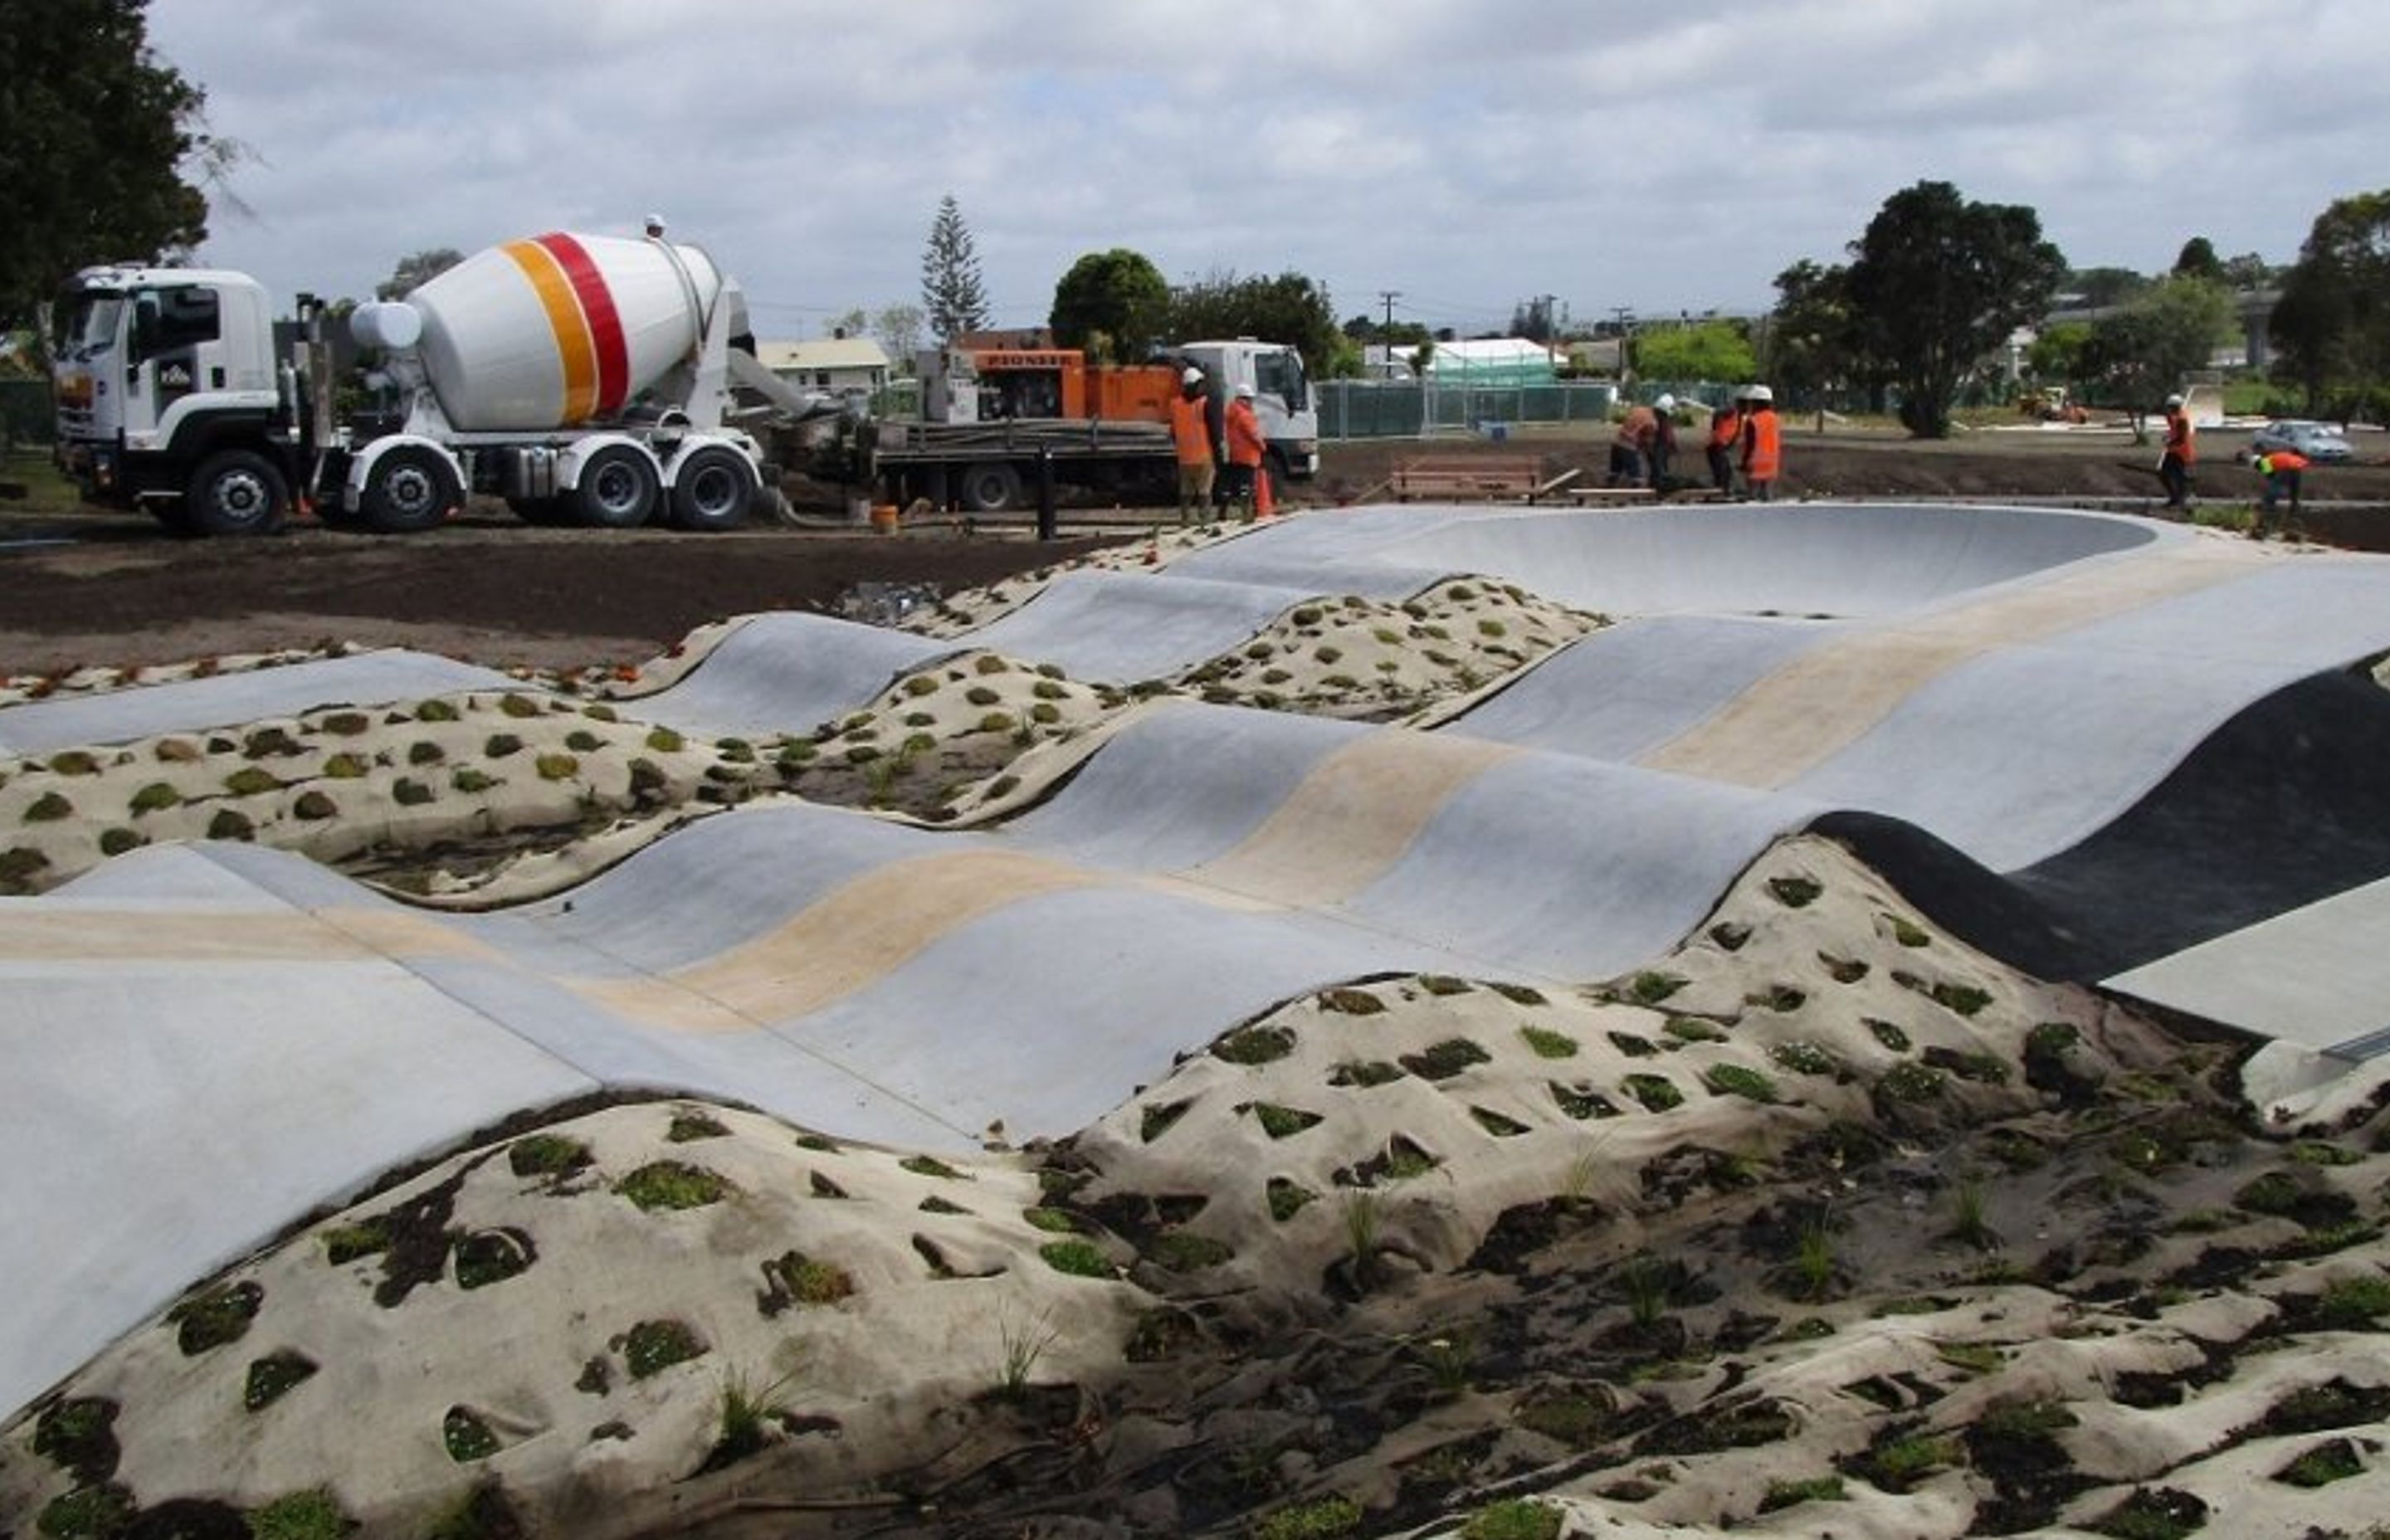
[572,345]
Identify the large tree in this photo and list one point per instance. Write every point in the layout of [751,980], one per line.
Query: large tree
[1938,282]
[1704,350]
[952,292]
[897,329]
[95,137]
[1114,303]
[2146,348]
[2198,260]
[1812,343]
[2331,325]
[1289,308]
[415,269]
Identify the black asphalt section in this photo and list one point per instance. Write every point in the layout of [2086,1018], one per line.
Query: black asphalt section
[2285,805]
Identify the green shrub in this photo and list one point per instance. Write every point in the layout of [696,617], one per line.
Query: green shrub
[673,1185]
[1281,1123]
[1255,1045]
[1081,1259]
[1321,1519]
[1736,1079]
[1548,1044]
[1655,1092]
[1443,1061]
[313,1514]
[250,781]
[1287,1197]
[1649,987]
[664,740]
[156,797]
[652,1347]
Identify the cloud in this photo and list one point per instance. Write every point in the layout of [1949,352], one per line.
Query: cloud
[1659,158]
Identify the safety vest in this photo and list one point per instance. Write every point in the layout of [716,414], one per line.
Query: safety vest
[2282,460]
[2180,441]
[1245,433]
[1640,425]
[1761,449]
[1190,425]
[1724,428]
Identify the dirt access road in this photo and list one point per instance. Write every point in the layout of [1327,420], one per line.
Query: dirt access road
[86,587]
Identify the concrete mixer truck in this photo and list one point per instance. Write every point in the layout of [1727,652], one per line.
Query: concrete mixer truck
[583,379]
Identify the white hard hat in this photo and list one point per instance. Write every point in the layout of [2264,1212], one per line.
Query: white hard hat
[1244,393]
[1665,403]
[1192,377]
[2174,401]
[1759,392]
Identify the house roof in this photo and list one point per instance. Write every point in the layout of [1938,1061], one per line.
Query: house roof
[828,352]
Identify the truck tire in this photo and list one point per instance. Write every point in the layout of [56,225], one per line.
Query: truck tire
[990,488]
[236,492]
[617,490]
[408,489]
[715,490]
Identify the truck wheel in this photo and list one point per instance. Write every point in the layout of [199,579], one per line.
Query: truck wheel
[409,489]
[990,488]
[236,492]
[713,491]
[618,489]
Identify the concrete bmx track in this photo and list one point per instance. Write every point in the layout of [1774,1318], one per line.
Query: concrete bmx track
[2105,748]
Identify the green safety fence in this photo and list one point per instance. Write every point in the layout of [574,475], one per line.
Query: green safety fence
[1407,409]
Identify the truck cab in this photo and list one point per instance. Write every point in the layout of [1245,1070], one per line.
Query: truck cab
[1282,396]
[160,371]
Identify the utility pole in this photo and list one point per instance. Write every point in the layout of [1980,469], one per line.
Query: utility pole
[1390,296]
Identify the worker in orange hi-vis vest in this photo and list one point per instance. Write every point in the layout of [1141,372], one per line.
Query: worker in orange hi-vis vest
[1245,448]
[1191,427]
[1763,447]
[1725,432]
[2283,469]
[2182,453]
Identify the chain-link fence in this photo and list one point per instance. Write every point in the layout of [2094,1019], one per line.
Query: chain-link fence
[1410,409]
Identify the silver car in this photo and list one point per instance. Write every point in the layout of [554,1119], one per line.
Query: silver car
[2320,441]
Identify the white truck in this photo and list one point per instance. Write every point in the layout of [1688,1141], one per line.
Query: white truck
[583,379]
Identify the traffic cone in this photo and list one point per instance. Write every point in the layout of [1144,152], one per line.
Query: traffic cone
[1264,505]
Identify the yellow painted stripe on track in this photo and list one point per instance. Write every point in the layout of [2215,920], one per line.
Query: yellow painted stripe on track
[1351,819]
[1797,717]
[120,936]
[849,939]
[573,348]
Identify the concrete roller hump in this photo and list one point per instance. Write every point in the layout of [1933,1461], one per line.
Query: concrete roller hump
[786,672]
[236,699]
[1118,628]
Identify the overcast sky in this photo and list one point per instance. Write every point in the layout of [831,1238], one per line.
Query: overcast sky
[1647,156]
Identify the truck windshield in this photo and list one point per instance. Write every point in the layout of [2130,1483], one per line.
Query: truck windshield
[1279,372]
[86,323]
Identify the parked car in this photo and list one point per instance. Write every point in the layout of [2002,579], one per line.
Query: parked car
[2320,441]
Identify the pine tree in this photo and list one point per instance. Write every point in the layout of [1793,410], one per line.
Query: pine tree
[951,291]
